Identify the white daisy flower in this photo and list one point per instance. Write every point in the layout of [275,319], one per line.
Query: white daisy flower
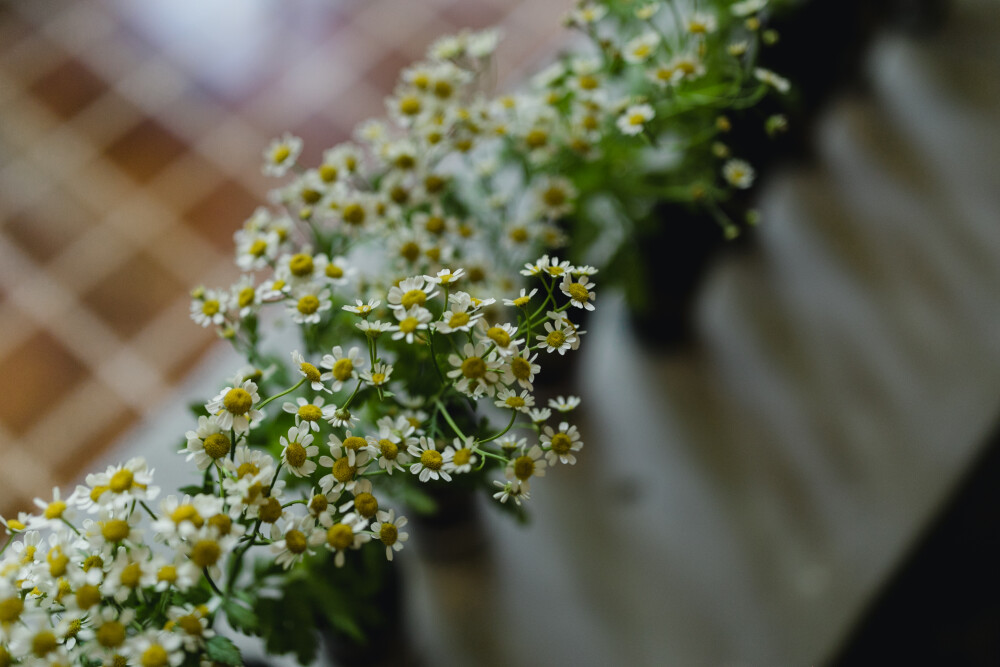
[209,308]
[539,415]
[561,444]
[309,413]
[779,83]
[119,485]
[207,443]
[633,120]
[281,154]
[522,299]
[309,372]
[387,530]
[460,455]
[738,173]
[233,407]
[521,368]
[349,458]
[511,491]
[701,23]
[430,462]
[291,544]
[411,321]
[474,372]
[341,367]
[524,467]
[564,404]
[411,292]
[298,450]
[640,49]
[378,375]
[391,444]
[192,625]
[53,511]
[361,308]
[511,400]
[445,277]
[579,292]
[558,337]
[502,338]
[343,535]
[161,648]
[308,303]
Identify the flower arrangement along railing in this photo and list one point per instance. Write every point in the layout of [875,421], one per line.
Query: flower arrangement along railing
[416,270]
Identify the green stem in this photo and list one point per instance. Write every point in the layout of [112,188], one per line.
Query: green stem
[287,391]
[211,582]
[65,521]
[148,511]
[451,422]
[513,416]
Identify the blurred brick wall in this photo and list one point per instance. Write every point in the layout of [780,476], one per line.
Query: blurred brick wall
[130,135]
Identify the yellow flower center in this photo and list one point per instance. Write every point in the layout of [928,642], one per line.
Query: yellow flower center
[222,523]
[334,271]
[270,511]
[246,297]
[410,105]
[328,173]
[130,575]
[217,445]
[431,459]
[191,624]
[295,541]
[343,369]
[435,224]
[92,562]
[111,634]
[43,643]
[588,82]
[210,307]
[556,339]
[561,443]
[155,656]
[434,184]
[554,196]
[247,468]
[536,138]
[378,378]
[115,530]
[499,336]
[462,456]
[340,536]
[121,481]
[409,325]
[205,553]
[388,449]
[87,596]
[167,573]
[578,292]
[458,320]
[308,304]
[354,442]
[301,265]
[515,402]
[410,251]
[295,454]
[310,413]
[311,372]
[524,467]
[57,562]
[280,153]
[310,196]
[366,504]
[237,401]
[318,504]
[521,368]
[55,509]
[414,297]
[522,301]
[474,368]
[14,524]
[636,118]
[10,610]
[388,533]
[443,89]
[519,235]
[353,214]
[343,471]
[258,248]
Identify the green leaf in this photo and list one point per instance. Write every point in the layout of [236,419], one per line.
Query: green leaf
[222,650]
[192,489]
[241,618]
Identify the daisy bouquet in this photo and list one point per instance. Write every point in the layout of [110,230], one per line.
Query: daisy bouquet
[398,302]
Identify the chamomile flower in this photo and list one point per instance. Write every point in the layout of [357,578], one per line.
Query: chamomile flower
[561,444]
[430,462]
[387,529]
[633,120]
[588,13]
[640,49]
[309,413]
[564,404]
[779,83]
[120,485]
[646,12]
[460,455]
[445,277]
[524,467]
[510,399]
[207,443]
[411,292]
[191,623]
[343,535]
[521,368]
[701,23]
[209,308]
[281,154]
[502,337]
[555,196]
[373,328]
[579,291]
[292,543]
[511,491]
[233,407]
[475,371]
[349,458]
[539,415]
[391,444]
[308,303]
[410,321]
[558,337]
[298,450]
[53,511]
[363,309]
[522,299]
[341,367]
[738,173]
[461,315]
[378,375]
